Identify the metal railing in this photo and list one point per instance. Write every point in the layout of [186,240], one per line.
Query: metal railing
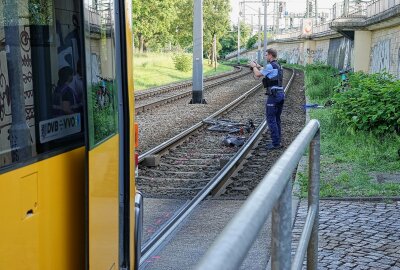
[379,6]
[321,28]
[274,194]
[288,35]
[354,9]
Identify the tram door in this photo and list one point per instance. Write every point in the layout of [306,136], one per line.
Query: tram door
[103,138]
[107,191]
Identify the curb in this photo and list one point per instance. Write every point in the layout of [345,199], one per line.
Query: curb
[361,199]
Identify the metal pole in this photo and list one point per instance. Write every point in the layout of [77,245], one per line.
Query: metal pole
[244,11]
[282,230]
[197,94]
[265,31]
[238,41]
[346,8]
[313,199]
[259,58]
[19,133]
[276,17]
[215,51]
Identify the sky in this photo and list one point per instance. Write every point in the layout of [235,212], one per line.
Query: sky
[292,6]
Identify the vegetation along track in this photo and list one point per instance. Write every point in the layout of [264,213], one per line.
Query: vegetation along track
[174,86]
[183,168]
[167,121]
[258,163]
[154,98]
[193,168]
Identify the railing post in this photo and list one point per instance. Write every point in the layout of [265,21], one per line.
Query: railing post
[313,199]
[282,230]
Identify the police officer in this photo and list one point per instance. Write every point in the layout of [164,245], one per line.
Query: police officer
[272,81]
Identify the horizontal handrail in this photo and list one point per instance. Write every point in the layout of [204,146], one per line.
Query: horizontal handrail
[231,247]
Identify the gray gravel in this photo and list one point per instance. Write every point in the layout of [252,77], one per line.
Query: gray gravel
[169,120]
[161,96]
[293,119]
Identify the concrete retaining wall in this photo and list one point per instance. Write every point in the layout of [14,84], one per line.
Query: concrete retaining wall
[336,52]
[385,51]
[361,43]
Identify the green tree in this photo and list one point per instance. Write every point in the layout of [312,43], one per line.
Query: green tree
[153,22]
[251,41]
[184,24]
[228,43]
[216,23]
[245,32]
[229,40]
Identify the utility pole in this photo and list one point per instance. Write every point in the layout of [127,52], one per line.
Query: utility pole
[265,31]
[197,93]
[238,40]
[244,11]
[215,51]
[346,8]
[259,52]
[276,27]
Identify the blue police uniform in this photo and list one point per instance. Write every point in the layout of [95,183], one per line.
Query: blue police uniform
[274,105]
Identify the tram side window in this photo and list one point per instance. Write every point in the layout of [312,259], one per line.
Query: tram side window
[41,88]
[101,94]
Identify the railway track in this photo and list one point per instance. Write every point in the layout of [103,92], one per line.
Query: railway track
[174,86]
[194,164]
[156,98]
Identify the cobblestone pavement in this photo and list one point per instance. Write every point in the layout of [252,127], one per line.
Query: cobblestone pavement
[355,235]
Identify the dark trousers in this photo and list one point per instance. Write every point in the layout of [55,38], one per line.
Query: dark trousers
[274,108]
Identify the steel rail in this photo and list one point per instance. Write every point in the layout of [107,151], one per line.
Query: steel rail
[271,195]
[197,126]
[169,99]
[223,174]
[174,86]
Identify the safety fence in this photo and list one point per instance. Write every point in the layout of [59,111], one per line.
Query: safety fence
[273,194]
[379,6]
[346,9]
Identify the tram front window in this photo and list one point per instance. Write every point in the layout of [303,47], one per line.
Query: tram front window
[41,87]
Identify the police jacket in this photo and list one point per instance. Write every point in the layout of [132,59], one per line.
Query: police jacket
[273,75]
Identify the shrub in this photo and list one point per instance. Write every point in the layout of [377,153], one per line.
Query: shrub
[182,62]
[251,41]
[319,81]
[371,104]
[282,61]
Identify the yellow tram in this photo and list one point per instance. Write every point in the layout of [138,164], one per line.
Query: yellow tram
[67,138]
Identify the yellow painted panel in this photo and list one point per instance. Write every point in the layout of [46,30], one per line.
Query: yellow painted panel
[133,139]
[28,195]
[52,236]
[103,205]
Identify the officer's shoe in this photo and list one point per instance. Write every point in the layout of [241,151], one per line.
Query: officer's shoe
[273,147]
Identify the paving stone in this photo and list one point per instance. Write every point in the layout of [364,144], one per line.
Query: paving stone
[356,235]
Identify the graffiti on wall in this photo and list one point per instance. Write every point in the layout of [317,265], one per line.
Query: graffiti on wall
[380,59]
[339,53]
[292,56]
[317,56]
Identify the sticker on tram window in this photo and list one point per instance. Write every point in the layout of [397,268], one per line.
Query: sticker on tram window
[59,127]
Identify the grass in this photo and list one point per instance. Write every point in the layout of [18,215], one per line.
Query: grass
[349,161]
[155,69]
